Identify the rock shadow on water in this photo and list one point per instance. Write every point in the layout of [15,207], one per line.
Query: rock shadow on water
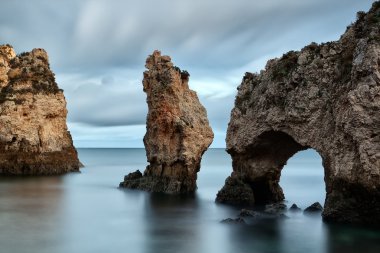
[262,236]
[352,239]
[171,222]
[28,204]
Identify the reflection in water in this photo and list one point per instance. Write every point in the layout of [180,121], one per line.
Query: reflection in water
[30,213]
[86,212]
[261,237]
[168,217]
[349,239]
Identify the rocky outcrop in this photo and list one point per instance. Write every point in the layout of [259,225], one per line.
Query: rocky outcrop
[294,208]
[325,97]
[234,221]
[314,208]
[178,131]
[33,134]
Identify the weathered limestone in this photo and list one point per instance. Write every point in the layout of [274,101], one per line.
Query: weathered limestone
[178,131]
[33,134]
[325,97]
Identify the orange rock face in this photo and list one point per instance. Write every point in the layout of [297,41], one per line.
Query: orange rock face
[178,131]
[34,139]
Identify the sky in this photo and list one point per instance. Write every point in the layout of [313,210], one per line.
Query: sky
[98,48]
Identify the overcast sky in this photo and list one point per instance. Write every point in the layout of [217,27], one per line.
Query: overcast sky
[97,49]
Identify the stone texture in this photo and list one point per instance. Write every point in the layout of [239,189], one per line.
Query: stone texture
[33,134]
[325,97]
[178,131]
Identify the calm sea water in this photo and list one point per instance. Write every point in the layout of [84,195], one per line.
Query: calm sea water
[87,212]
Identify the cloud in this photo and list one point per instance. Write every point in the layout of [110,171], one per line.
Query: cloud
[105,100]
[97,49]
[107,137]
[217,35]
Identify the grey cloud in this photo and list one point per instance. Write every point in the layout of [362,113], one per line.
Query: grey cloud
[105,44]
[92,35]
[219,110]
[107,104]
[114,103]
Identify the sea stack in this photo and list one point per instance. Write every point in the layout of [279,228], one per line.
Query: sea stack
[325,97]
[34,139]
[178,131]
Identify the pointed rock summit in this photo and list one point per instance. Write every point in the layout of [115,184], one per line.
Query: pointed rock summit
[178,131]
[34,139]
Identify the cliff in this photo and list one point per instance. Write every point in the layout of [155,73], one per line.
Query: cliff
[178,131]
[325,97]
[34,139]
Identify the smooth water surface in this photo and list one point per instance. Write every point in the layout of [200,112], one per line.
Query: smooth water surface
[87,212]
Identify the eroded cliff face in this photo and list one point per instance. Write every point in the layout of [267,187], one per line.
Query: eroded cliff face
[34,139]
[178,131]
[325,97]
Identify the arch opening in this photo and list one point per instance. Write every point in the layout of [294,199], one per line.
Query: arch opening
[352,196]
[257,169]
[262,162]
[302,179]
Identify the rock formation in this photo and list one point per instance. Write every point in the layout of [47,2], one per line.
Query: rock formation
[325,97]
[314,208]
[178,131]
[33,134]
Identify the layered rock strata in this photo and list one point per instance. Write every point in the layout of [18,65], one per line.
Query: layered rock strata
[34,139]
[178,131]
[325,97]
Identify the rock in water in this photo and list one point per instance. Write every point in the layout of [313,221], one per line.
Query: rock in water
[275,208]
[325,97]
[294,208]
[238,220]
[178,131]
[314,208]
[34,139]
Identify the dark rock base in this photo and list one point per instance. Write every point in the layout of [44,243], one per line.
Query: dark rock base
[31,163]
[136,180]
[234,221]
[352,203]
[235,192]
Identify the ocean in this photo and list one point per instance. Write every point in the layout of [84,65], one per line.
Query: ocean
[87,212]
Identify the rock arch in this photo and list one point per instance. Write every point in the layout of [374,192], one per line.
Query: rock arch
[325,97]
[258,168]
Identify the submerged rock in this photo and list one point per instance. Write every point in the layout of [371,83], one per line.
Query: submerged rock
[34,139]
[314,208]
[248,213]
[275,208]
[324,97]
[178,131]
[267,214]
[234,221]
[294,208]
